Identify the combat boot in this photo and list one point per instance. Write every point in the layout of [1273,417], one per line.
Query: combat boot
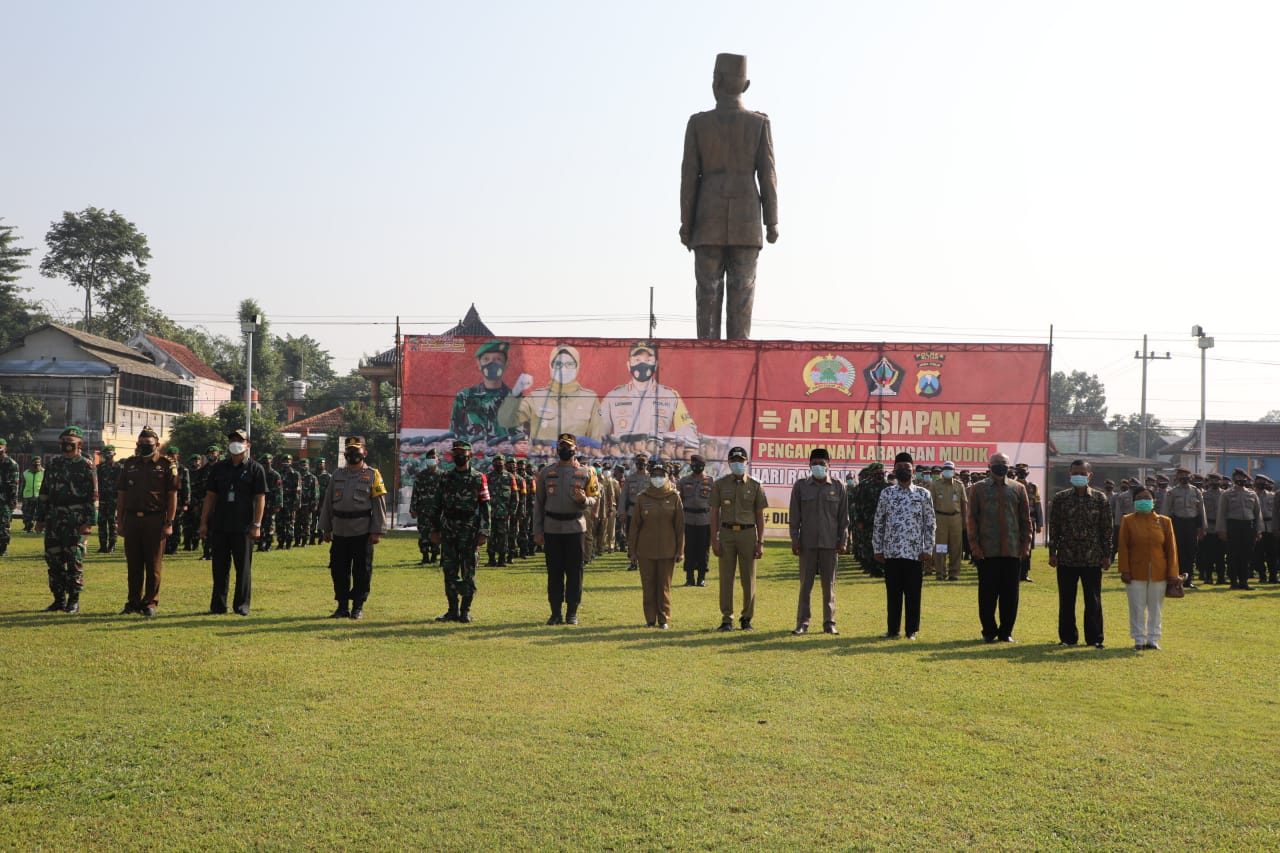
[702,578]
[688,578]
[464,615]
[492,561]
[452,614]
[58,603]
[502,560]
[73,603]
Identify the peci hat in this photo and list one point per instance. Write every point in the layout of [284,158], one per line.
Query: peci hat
[819,453]
[731,64]
[904,456]
[738,452]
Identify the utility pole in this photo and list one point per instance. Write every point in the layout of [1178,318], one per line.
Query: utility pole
[1146,355]
[249,327]
[1205,343]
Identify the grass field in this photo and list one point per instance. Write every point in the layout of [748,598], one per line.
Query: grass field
[288,730]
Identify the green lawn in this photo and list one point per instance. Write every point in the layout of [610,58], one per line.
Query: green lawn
[288,730]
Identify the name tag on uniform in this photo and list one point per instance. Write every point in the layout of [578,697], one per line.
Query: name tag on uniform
[231,497]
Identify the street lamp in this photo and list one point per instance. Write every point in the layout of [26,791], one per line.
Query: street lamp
[249,327]
[1205,343]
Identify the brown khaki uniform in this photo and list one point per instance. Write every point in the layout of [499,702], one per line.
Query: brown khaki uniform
[655,538]
[950,503]
[737,502]
[142,500]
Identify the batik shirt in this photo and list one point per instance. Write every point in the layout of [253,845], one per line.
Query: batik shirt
[905,524]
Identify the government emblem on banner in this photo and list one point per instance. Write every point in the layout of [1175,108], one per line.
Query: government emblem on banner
[929,373]
[829,371]
[884,378]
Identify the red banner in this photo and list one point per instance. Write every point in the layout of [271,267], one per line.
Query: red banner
[779,399]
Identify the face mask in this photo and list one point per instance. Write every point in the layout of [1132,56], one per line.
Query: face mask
[1144,505]
[902,475]
[564,373]
[738,468]
[236,448]
[819,471]
[848,481]
[697,467]
[643,371]
[565,454]
[493,370]
[460,460]
[658,482]
[431,463]
[1079,480]
[947,474]
[1237,482]
[68,446]
[145,450]
[354,456]
[999,469]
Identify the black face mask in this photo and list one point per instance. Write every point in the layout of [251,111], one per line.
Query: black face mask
[643,371]
[493,371]
[903,475]
[1239,482]
[999,469]
[565,454]
[68,446]
[144,451]
[353,456]
[697,467]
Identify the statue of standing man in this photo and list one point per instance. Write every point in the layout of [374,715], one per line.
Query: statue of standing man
[726,180]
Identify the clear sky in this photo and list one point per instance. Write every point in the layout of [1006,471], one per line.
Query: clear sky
[947,170]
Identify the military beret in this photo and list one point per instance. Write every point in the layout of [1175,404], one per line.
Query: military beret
[303,463]
[148,432]
[266,457]
[72,432]
[286,457]
[740,452]
[509,458]
[213,448]
[193,457]
[568,438]
[1108,483]
[4,442]
[172,451]
[819,453]
[237,435]
[904,456]
[106,448]
[460,444]
[644,346]
[357,441]
[493,346]
[875,466]
[430,454]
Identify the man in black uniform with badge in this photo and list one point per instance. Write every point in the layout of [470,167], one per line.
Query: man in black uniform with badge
[231,521]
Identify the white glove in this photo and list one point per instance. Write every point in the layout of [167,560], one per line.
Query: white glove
[522,384]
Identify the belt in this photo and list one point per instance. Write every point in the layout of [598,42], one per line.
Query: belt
[565,516]
[956,512]
[690,509]
[146,513]
[737,527]
[366,514]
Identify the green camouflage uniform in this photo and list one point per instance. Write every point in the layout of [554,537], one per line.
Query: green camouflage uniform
[515,529]
[425,485]
[308,500]
[68,500]
[526,523]
[503,497]
[322,488]
[10,488]
[275,499]
[475,413]
[459,511]
[191,518]
[291,484]
[184,499]
[866,497]
[108,478]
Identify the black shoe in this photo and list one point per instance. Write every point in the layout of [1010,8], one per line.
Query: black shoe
[213,612]
[1099,645]
[1245,586]
[911,636]
[571,619]
[650,624]
[1008,640]
[800,629]
[1153,647]
[1063,643]
[128,608]
[242,611]
[1189,585]
[340,613]
[357,613]
[663,626]
[556,619]
[745,624]
[451,616]
[56,607]
[830,628]
[72,606]
[890,636]
[702,580]
[149,612]
[464,616]
[726,625]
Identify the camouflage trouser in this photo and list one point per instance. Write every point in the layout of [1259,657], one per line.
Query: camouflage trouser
[284,525]
[458,558]
[6,520]
[64,555]
[526,544]
[499,536]
[315,537]
[620,533]
[191,528]
[302,525]
[429,552]
[268,528]
[107,524]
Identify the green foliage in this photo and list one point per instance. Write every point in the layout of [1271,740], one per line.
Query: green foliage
[1271,417]
[17,315]
[364,420]
[342,391]
[399,733]
[195,432]
[11,255]
[1081,394]
[265,438]
[304,359]
[105,255]
[21,417]
[1130,428]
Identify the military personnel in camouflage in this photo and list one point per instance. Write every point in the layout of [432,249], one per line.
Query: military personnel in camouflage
[10,486]
[108,475]
[291,484]
[527,545]
[475,409]
[184,498]
[867,498]
[424,487]
[458,518]
[503,497]
[515,527]
[66,510]
[308,498]
[191,518]
[322,487]
[274,500]
[211,456]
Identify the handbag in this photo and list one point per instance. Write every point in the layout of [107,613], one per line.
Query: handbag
[1173,588]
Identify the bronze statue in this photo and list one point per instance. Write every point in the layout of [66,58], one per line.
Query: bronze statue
[726,180]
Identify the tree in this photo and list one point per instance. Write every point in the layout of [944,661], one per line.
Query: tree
[195,432]
[268,364]
[1080,394]
[342,391]
[21,417]
[102,254]
[266,437]
[1130,429]
[363,419]
[1271,417]
[17,315]
[303,359]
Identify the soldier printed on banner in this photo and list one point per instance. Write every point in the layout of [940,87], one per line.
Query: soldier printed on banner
[475,409]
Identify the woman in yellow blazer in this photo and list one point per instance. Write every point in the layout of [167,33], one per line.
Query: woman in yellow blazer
[655,542]
[1148,560]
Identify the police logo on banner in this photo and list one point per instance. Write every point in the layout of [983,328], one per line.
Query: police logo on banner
[829,371]
[929,373]
[884,378]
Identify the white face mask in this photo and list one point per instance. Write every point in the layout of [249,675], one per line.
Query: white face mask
[947,473]
[658,482]
[564,372]
[819,471]
[430,463]
[235,448]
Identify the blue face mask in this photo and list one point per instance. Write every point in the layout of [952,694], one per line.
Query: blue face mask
[819,471]
[738,468]
[1079,480]
[1144,505]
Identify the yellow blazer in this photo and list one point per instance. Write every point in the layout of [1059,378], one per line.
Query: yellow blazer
[1147,548]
